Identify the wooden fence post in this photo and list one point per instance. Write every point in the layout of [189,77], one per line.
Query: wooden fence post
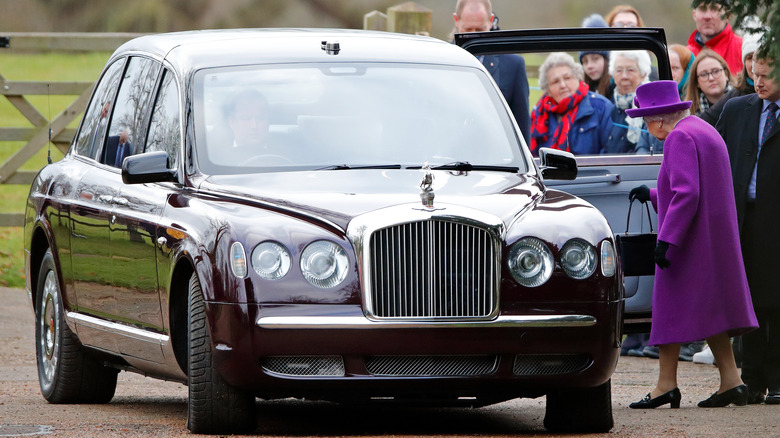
[17,93]
[410,18]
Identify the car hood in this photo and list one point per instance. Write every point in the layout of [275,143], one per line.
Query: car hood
[340,195]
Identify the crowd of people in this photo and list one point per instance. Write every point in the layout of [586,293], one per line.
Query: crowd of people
[716,191]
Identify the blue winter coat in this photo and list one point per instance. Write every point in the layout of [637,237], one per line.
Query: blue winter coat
[589,133]
[619,144]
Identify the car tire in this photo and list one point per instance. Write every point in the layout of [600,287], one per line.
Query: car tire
[214,406]
[579,410]
[66,372]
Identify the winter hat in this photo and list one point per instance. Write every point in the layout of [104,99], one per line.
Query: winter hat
[659,97]
[750,42]
[594,20]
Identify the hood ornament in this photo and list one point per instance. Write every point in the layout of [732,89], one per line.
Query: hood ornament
[426,186]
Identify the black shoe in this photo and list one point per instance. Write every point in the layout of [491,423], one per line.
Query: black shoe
[651,351]
[673,397]
[755,397]
[773,398]
[737,395]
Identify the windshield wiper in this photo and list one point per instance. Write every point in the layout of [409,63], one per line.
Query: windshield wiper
[465,166]
[365,166]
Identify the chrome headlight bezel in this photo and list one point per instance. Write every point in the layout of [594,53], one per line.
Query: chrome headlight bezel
[324,264]
[530,262]
[578,259]
[271,260]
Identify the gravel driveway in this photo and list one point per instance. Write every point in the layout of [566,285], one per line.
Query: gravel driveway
[151,408]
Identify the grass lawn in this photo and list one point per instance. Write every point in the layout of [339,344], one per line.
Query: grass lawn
[55,67]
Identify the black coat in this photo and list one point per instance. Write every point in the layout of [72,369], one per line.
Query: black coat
[509,73]
[738,125]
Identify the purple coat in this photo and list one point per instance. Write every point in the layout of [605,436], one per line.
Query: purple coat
[704,292]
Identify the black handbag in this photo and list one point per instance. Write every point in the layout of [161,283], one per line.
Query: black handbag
[637,251]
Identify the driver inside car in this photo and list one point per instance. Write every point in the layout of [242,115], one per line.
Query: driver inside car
[247,115]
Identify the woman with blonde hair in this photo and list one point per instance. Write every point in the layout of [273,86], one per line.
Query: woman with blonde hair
[710,80]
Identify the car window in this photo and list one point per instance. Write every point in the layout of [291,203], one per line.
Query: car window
[598,124]
[130,111]
[164,128]
[350,114]
[93,130]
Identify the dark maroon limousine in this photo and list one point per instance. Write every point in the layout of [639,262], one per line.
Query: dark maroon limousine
[322,214]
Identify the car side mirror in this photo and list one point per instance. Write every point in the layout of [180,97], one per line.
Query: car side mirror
[557,164]
[147,168]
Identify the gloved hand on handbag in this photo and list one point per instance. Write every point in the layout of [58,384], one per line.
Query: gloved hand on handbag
[641,194]
[660,254]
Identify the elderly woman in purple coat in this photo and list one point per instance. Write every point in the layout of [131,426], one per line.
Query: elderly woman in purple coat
[700,289]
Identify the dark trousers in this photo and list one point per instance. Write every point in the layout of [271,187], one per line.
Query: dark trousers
[761,352]
[761,347]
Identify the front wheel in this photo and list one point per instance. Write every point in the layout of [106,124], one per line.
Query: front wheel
[214,406]
[66,372]
[587,410]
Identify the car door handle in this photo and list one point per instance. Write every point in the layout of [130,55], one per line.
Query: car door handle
[106,199]
[120,201]
[613,178]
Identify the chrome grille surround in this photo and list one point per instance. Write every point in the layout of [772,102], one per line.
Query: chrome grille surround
[429,264]
[431,366]
[549,364]
[331,366]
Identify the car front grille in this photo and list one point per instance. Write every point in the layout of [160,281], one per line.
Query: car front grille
[549,364]
[433,269]
[305,365]
[431,365]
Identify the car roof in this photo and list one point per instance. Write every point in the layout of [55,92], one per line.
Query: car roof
[193,50]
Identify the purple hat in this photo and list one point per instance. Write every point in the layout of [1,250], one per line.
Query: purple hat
[659,97]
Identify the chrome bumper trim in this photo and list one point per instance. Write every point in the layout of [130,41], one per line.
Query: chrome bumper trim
[359,322]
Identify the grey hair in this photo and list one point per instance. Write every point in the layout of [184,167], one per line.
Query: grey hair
[668,118]
[557,59]
[641,58]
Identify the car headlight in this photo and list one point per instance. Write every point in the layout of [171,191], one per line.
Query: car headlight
[608,259]
[530,262]
[271,260]
[238,260]
[324,264]
[578,259]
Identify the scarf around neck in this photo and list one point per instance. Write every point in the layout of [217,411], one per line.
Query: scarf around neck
[547,107]
[635,124]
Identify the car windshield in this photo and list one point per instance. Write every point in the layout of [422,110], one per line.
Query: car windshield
[346,116]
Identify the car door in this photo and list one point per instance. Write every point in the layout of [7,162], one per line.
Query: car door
[137,209]
[603,180]
[91,209]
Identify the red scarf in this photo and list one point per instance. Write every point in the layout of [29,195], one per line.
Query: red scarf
[540,119]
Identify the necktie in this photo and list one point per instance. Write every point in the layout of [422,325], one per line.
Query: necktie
[119,155]
[770,121]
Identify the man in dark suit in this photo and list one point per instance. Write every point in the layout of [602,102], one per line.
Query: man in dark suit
[751,130]
[507,70]
[117,148]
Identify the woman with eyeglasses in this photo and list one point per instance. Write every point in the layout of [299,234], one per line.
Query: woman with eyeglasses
[744,79]
[624,16]
[711,79]
[568,116]
[629,69]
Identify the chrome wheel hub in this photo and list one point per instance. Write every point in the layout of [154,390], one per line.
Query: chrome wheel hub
[49,326]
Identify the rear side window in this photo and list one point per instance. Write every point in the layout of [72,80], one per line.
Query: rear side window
[95,125]
[164,129]
[131,110]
